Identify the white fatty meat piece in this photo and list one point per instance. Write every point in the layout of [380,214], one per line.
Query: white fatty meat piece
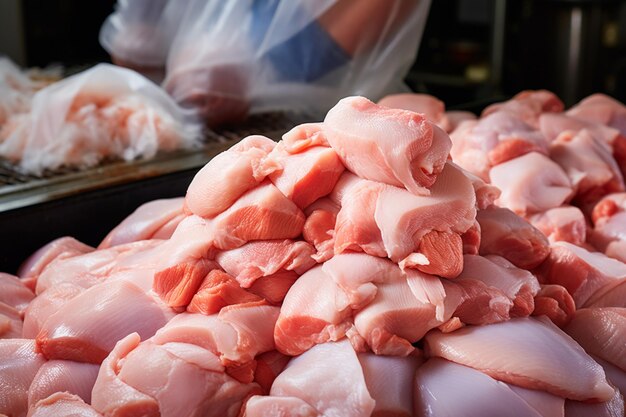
[611,408]
[431,107]
[528,105]
[403,310]
[508,235]
[480,145]
[553,124]
[303,137]
[63,376]
[104,112]
[307,175]
[329,378]
[589,165]
[45,305]
[546,404]
[586,275]
[262,213]
[262,258]
[609,218]
[11,324]
[517,285]
[91,268]
[86,328]
[229,175]
[153,220]
[14,293]
[319,228]
[600,108]
[566,224]
[614,374]
[174,379]
[262,406]
[529,352]
[309,314]
[402,220]
[616,250]
[236,335]
[19,364]
[445,389]
[62,404]
[411,157]
[602,332]
[61,248]
[389,381]
[531,183]
[554,302]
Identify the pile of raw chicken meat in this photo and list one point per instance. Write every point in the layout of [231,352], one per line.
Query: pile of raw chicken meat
[392,260]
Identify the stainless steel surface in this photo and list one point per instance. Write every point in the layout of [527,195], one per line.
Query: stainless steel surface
[19,190]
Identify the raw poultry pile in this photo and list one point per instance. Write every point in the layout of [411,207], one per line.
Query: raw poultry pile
[352,269]
[104,113]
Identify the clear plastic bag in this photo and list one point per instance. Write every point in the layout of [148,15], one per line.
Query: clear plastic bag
[138,34]
[16,90]
[104,112]
[236,57]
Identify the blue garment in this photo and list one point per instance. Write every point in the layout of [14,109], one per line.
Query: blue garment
[306,56]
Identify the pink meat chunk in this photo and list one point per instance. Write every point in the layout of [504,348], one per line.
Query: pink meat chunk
[62,404]
[554,302]
[61,248]
[153,220]
[262,213]
[562,224]
[273,288]
[600,108]
[303,137]
[431,107]
[528,352]
[91,268]
[19,365]
[589,165]
[508,235]
[268,366]
[86,328]
[236,335]
[261,406]
[46,304]
[601,331]
[586,275]
[307,175]
[477,146]
[14,292]
[616,297]
[63,376]
[228,176]
[553,124]
[11,324]
[329,378]
[529,105]
[262,258]
[309,314]
[447,389]
[611,408]
[517,285]
[319,228]
[531,183]
[392,146]
[218,290]
[387,221]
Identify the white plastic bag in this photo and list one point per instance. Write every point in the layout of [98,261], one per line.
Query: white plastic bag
[233,57]
[16,90]
[104,112]
[138,34]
